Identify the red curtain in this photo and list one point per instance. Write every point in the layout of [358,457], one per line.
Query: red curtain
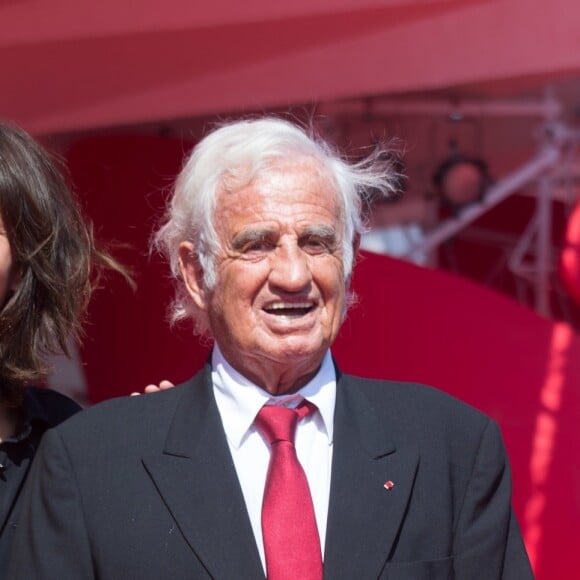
[123,181]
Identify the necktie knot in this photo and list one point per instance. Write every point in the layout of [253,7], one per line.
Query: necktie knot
[279,423]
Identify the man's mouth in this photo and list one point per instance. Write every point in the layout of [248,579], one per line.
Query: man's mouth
[289,308]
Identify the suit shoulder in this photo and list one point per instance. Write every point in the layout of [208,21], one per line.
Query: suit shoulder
[122,414]
[426,416]
[418,400]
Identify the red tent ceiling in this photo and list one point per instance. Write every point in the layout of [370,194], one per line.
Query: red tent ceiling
[69,65]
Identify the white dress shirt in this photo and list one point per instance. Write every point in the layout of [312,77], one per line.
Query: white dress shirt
[239,401]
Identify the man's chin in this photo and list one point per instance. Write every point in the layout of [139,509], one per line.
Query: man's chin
[295,349]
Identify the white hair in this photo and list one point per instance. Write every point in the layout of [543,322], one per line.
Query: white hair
[232,156]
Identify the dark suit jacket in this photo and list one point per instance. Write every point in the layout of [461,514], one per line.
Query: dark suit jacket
[41,410]
[145,488]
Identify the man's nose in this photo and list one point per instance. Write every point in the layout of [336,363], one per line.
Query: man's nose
[290,270]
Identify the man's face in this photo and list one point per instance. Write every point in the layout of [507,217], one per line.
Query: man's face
[280,292]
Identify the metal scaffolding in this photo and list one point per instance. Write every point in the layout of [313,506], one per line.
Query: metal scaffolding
[532,257]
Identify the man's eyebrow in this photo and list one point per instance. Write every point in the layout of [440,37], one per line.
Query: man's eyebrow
[251,235]
[324,231]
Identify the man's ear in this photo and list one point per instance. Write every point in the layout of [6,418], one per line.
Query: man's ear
[192,274]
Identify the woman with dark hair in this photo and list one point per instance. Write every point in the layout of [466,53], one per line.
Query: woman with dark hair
[48,266]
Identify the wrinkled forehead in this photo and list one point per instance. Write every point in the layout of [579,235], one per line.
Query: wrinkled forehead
[297,190]
[276,171]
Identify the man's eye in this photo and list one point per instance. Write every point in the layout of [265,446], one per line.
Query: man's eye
[316,245]
[258,247]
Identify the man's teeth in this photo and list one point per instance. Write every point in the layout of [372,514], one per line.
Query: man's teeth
[285,306]
[290,309]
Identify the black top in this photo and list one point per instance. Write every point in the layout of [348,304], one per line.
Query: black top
[42,409]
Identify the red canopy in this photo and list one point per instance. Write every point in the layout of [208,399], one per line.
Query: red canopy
[68,65]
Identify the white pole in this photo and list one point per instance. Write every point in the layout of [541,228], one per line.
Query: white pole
[547,157]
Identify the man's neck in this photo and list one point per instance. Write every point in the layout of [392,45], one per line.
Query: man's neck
[285,382]
[274,377]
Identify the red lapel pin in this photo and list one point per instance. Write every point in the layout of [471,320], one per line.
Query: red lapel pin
[389,485]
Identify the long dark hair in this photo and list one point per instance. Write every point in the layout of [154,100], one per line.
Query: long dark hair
[55,259]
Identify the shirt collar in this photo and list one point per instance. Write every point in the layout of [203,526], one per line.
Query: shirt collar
[239,400]
[31,412]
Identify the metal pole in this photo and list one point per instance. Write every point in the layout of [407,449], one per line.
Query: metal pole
[547,157]
[543,246]
[548,108]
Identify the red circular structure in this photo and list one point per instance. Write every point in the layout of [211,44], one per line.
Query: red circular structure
[570,258]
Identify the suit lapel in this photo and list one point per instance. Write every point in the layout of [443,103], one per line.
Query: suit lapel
[364,517]
[196,478]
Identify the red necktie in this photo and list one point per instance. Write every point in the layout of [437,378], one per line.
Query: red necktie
[291,540]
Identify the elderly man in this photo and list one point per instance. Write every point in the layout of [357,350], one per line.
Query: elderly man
[270,461]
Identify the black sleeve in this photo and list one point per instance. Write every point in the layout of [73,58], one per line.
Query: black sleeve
[51,540]
[487,540]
